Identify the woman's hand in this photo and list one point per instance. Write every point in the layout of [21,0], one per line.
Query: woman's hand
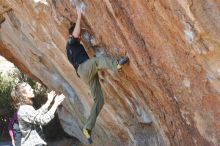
[50,96]
[59,99]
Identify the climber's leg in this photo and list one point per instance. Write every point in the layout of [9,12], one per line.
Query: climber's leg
[88,73]
[106,63]
[87,70]
[112,64]
[97,94]
[91,67]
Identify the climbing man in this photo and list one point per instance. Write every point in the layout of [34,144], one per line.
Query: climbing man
[87,69]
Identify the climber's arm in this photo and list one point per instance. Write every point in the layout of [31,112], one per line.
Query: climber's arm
[76,32]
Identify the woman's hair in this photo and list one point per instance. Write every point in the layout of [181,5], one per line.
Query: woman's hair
[18,95]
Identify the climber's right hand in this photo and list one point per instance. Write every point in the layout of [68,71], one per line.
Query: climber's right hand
[79,13]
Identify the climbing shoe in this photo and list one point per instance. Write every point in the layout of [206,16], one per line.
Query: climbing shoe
[87,133]
[123,60]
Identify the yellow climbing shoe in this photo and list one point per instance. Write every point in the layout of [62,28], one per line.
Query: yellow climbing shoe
[119,66]
[123,60]
[86,133]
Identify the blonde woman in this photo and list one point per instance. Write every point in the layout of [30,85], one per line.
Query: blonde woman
[31,120]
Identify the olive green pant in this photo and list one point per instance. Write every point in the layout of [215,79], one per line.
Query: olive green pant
[88,72]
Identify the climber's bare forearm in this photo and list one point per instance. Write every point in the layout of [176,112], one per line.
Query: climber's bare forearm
[76,32]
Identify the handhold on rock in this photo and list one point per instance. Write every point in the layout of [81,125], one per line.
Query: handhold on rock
[2,19]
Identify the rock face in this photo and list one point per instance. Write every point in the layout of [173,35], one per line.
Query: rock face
[172,78]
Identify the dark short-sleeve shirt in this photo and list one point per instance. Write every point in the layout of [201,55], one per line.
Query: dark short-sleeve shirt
[75,52]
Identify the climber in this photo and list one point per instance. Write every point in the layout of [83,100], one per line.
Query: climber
[87,69]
